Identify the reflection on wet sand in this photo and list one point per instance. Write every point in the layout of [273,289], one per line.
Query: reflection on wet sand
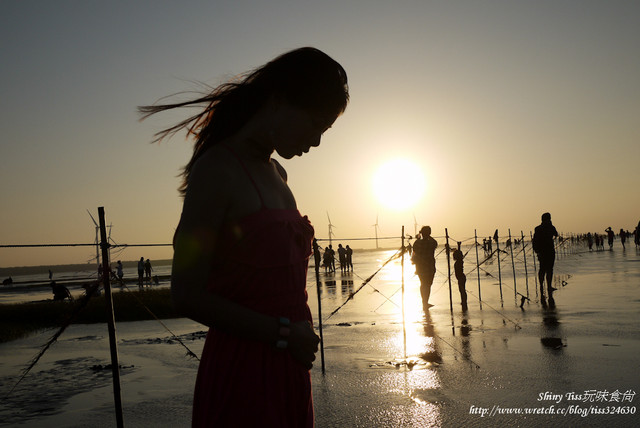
[550,337]
[432,354]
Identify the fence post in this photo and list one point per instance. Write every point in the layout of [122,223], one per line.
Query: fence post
[535,269]
[404,328]
[316,256]
[111,324]
[475,233]
[446,234]
[513,268]
[524,254]
[497,239]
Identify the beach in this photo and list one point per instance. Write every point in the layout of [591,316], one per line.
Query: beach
[497,364]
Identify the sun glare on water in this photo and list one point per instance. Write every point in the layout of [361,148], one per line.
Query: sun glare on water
[399,184]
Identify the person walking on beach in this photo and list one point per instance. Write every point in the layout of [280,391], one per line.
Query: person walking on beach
[610,237]
[544,246]
[254,369]
[424,258]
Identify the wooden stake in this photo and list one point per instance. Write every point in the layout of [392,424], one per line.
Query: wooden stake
[499,270]
[524,254]
[404,328]
[446,234]
[475,233]
[535,269]
[513,267]
[316,250]
[111,324]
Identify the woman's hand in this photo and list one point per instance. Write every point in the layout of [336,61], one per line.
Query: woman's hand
[303,343]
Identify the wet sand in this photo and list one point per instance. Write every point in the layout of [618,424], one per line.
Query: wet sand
[498,365]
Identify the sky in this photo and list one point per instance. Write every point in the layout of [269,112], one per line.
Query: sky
[509,109]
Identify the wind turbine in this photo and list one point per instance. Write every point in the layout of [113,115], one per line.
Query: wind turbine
[375,228]
[331,226]
[97,241]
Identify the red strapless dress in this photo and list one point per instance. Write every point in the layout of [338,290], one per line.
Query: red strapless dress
[242,383]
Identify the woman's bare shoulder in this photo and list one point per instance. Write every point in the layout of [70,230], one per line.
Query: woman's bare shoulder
[210,183]
[280,169]
[216,162]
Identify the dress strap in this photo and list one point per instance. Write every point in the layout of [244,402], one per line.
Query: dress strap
[244,167]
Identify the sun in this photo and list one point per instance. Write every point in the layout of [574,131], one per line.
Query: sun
[399,184]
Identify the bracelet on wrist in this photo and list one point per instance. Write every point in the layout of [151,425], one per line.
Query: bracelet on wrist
[284,330]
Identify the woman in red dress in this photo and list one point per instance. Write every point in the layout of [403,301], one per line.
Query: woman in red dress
[241,249]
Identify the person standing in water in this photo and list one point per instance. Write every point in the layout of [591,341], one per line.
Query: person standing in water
[141,272]
[544,246]
[261,344]
[349,258]
[458,268]
[610,237]
[424,258]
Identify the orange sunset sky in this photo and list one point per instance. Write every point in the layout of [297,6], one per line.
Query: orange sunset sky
[496,111]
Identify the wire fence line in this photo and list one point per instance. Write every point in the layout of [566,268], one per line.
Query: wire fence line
[522,243]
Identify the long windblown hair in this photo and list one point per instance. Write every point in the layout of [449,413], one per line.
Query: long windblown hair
[306,78]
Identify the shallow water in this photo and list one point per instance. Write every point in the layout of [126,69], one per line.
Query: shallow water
[451,366]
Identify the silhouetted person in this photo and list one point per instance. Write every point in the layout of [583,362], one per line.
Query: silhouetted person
[458,268]
[119,271]
[342,257]
[60,292]
[147,270]
[141,272]
[623,238]
[254,369]
[317,257]
[590,241]
[50,275]
[424,258]
[544,247]
[636,235]
[332,258]
[349,258]
[610,236]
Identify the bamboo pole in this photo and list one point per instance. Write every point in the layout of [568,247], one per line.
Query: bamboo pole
[111,324]
[535,269]
[316,253]
[475,233]
[497,237]
[513,268]
[446,233]
[404,328]
[524,254]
